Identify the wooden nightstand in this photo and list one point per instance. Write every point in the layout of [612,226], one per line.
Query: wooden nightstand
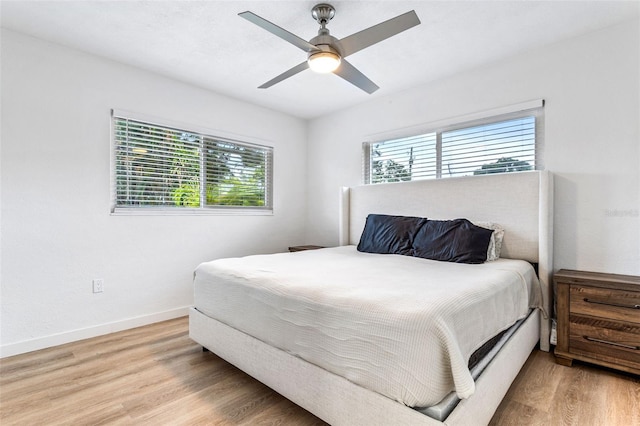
[598,319]
[303,248]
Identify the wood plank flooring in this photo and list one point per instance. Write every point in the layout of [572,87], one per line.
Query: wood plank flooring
[155,375]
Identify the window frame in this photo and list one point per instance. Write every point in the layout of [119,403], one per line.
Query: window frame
[533,108]
[204,133]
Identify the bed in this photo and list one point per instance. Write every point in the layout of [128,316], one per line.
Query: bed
[350,394]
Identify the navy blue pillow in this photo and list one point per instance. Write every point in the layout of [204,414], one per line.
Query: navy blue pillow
[456,240]
[385,234]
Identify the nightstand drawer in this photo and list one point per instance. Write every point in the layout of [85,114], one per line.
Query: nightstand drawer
[603,302]
[605,340]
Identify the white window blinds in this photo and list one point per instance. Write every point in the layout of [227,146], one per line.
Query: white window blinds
[504,146]
[508,143]
[166,168]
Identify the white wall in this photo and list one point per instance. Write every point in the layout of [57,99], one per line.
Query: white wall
[592,116]
[57,233]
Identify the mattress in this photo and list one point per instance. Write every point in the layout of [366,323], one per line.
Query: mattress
[401,326]
[484,356]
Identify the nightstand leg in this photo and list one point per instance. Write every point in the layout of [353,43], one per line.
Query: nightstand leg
[564,361]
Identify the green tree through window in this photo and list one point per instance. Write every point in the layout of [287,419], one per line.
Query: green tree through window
[162,167]
[504,165]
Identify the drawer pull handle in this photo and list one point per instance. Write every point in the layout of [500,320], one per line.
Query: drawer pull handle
[606,342]
[605,302]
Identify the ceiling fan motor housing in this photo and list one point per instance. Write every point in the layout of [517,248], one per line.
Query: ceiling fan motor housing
[326,43]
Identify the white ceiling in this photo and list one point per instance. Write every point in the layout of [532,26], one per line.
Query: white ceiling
[206,44]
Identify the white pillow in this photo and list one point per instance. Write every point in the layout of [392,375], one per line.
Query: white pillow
[495,244]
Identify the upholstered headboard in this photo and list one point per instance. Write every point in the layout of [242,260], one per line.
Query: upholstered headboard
[522,203]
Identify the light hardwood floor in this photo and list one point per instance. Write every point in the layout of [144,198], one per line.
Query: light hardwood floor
[155,375]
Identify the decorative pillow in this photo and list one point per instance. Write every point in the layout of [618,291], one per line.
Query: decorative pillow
[495,245]
[389,234]
[456,240]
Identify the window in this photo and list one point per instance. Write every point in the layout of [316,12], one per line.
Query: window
[165,168]
[507,143]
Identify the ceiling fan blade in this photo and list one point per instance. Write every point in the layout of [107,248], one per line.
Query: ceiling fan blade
[355,77]
[280,32]
[372,35]
[293,71]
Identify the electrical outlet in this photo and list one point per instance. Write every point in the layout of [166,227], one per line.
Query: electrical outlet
[98,285]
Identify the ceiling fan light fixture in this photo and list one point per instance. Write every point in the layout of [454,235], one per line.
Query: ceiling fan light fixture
[324,62]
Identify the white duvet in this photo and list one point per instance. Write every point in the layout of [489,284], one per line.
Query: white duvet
[401,326]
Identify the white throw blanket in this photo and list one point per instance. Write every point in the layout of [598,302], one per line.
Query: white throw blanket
[401,326]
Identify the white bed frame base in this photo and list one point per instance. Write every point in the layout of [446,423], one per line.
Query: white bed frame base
[340,402]
[506,199]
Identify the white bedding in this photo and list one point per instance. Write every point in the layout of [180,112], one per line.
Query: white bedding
[401,326]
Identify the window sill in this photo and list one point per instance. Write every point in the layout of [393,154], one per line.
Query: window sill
[190,212]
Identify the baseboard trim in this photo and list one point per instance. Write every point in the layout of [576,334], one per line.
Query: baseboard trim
[86,333]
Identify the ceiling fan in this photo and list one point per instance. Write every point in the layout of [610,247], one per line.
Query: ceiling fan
[325,53]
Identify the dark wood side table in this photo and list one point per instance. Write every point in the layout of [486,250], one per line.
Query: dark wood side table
[303,248]
[598,319]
